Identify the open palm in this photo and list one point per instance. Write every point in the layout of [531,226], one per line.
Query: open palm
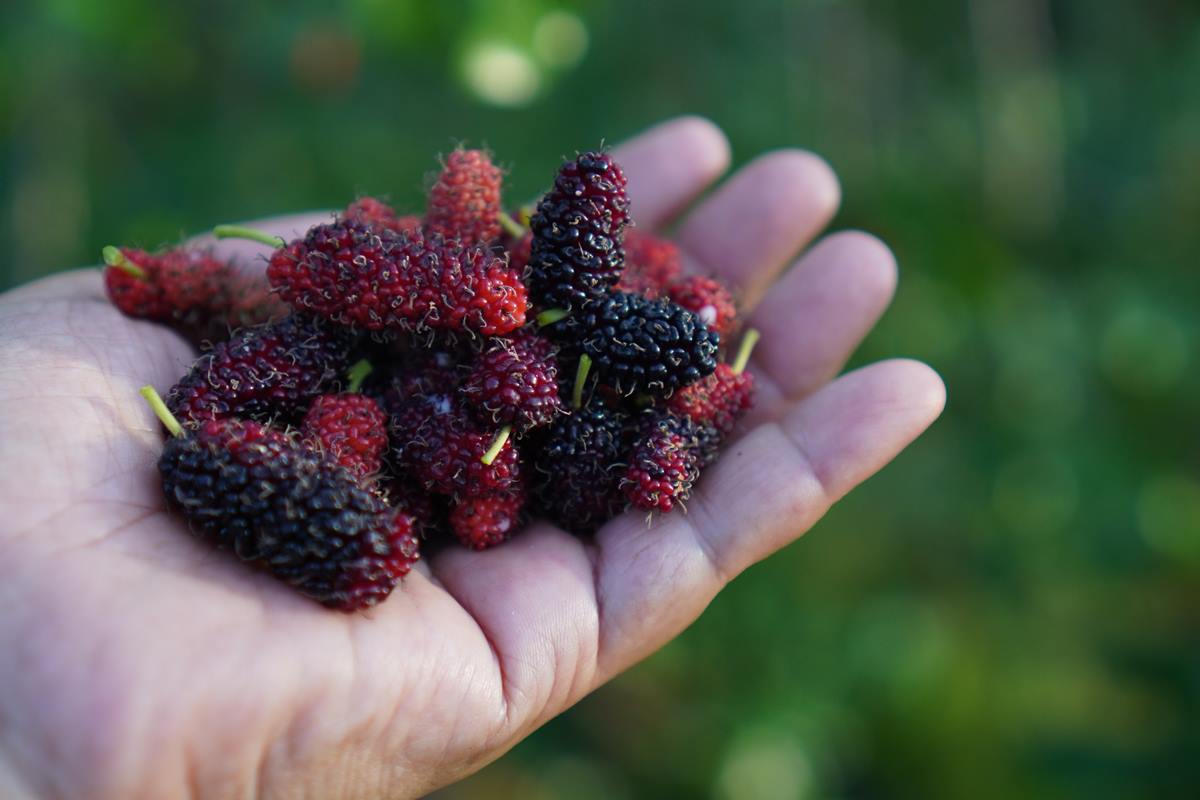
[137,662]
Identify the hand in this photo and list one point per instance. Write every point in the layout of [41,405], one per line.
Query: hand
[137,662]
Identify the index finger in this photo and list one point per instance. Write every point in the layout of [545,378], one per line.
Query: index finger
[669,165]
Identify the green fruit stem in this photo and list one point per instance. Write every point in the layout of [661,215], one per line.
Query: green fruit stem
[581,373]
[357,374]
[551,316]
[497,445]
[161,411]
[514,228]
[115,258]
[743,354]
[242,232]
[525,214]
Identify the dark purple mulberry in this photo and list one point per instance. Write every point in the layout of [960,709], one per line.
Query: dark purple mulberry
[576,252]
[277,502]
[641,345]
[579,468]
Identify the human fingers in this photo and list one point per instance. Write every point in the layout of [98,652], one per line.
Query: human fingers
[756,222]
[766,490]
[817,314]
[669,165]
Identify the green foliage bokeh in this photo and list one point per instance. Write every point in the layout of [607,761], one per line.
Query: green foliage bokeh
[1012,608]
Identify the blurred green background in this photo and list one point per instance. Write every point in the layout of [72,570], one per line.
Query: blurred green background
[1010,610]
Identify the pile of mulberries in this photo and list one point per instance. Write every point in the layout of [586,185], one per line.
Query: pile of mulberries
[393,379]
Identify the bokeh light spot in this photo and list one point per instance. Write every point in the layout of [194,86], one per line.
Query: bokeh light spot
[765,765]
[560,39]
[1169,516]
[501,74]
[899,642]
[1143,350]
[324,59]
[1036,492]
